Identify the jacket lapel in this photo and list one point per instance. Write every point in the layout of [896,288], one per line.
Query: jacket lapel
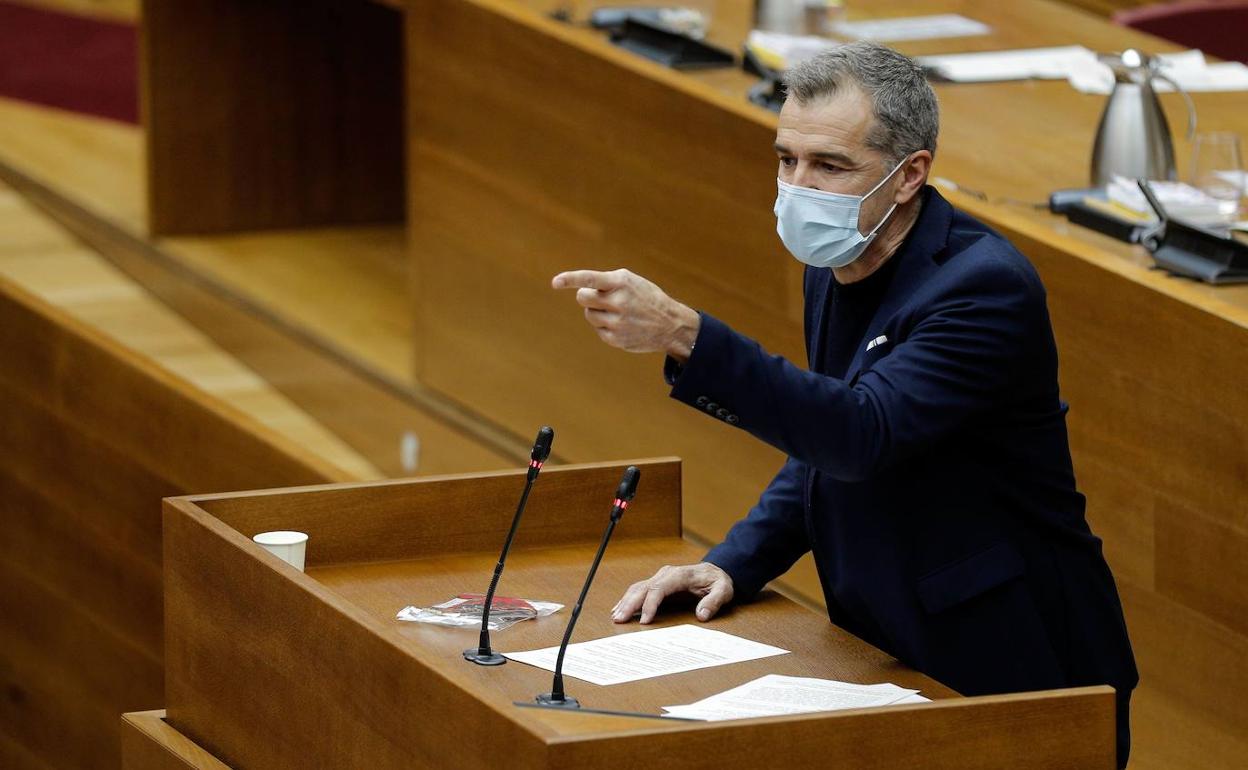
[927,239]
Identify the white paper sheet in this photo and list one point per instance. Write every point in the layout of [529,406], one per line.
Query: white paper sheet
[790,50]
[913,28]
[1180,200]
[1022,64]
[645,654]
[911,699]
[1083,70]
[1235,177]
[1187,68]
[775,695]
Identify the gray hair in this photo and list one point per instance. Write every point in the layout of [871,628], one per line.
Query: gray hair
[907,118]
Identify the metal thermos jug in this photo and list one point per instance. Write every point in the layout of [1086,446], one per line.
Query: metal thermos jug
[1133,139]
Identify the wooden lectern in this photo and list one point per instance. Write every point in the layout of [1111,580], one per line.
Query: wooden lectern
[268,667]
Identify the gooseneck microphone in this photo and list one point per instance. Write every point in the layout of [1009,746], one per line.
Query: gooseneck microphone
[623,496]
[482,654]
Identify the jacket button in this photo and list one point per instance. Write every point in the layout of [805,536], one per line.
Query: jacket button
[732,419]
[701,400]
[711,407]
[721,414]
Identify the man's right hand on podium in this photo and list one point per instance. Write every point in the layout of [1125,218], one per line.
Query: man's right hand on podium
[703,579]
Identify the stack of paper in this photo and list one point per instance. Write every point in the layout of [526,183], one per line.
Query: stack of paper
[643,654]
[1051,63]
[940,25]
[1083,69]
[1187,68]
[1180,201]
[779,51]
[776,695]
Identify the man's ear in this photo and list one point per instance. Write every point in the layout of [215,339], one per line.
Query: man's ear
[913,176]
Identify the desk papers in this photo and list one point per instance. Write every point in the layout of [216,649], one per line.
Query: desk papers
[1083,70]
[1046,63]
[1186,68]
[1180,200]
[776,695]
[912,28]
[644,654]
[779,51]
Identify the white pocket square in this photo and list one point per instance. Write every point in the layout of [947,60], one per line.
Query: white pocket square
[880,340]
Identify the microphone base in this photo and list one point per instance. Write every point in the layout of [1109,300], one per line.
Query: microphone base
[547,699]
[489,659]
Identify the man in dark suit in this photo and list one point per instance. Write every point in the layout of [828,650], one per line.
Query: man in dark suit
[929,468]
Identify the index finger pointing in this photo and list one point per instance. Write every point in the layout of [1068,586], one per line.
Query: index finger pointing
[585,279]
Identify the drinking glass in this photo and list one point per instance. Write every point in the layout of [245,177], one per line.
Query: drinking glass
[1218,169]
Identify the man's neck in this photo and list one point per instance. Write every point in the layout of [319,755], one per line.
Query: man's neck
[886,243]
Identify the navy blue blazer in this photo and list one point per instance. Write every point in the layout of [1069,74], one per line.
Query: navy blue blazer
[934,482]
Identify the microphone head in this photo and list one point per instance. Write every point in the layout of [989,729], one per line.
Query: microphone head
[541,447]
[628,484]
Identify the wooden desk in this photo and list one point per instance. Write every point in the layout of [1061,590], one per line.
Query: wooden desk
[269,666]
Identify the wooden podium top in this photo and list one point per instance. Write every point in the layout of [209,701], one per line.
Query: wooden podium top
[269,667]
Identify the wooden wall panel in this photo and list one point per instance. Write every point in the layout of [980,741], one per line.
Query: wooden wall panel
[1203,564]
[40,529]
[91,437]
[66,673]
[1118,514]
[526,160]
[275,114]
[14,754]
[1187,710]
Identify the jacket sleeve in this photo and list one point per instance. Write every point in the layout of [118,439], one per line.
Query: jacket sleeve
[964,349]
[764,544]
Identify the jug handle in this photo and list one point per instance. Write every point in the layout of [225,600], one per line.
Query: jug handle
[1191,106]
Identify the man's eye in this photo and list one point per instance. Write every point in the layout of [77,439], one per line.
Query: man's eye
[830,168]
[788,162]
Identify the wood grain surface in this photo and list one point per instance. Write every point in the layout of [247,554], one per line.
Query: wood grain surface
[92,436]
[149,743]
[457,513]
[274,114]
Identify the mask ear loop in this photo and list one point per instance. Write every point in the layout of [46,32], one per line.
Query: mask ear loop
[876,189]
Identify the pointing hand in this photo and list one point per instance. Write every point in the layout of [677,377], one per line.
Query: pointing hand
[632,313]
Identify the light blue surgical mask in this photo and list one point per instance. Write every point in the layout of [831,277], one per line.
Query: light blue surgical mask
[820,228]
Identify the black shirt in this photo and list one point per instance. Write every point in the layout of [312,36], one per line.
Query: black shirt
[851,306]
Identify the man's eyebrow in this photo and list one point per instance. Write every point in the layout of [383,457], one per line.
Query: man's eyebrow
[839,157]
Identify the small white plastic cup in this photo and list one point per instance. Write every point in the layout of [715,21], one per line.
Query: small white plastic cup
[290,547]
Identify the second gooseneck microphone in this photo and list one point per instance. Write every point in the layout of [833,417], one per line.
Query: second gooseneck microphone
[556,698]
[482,654]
